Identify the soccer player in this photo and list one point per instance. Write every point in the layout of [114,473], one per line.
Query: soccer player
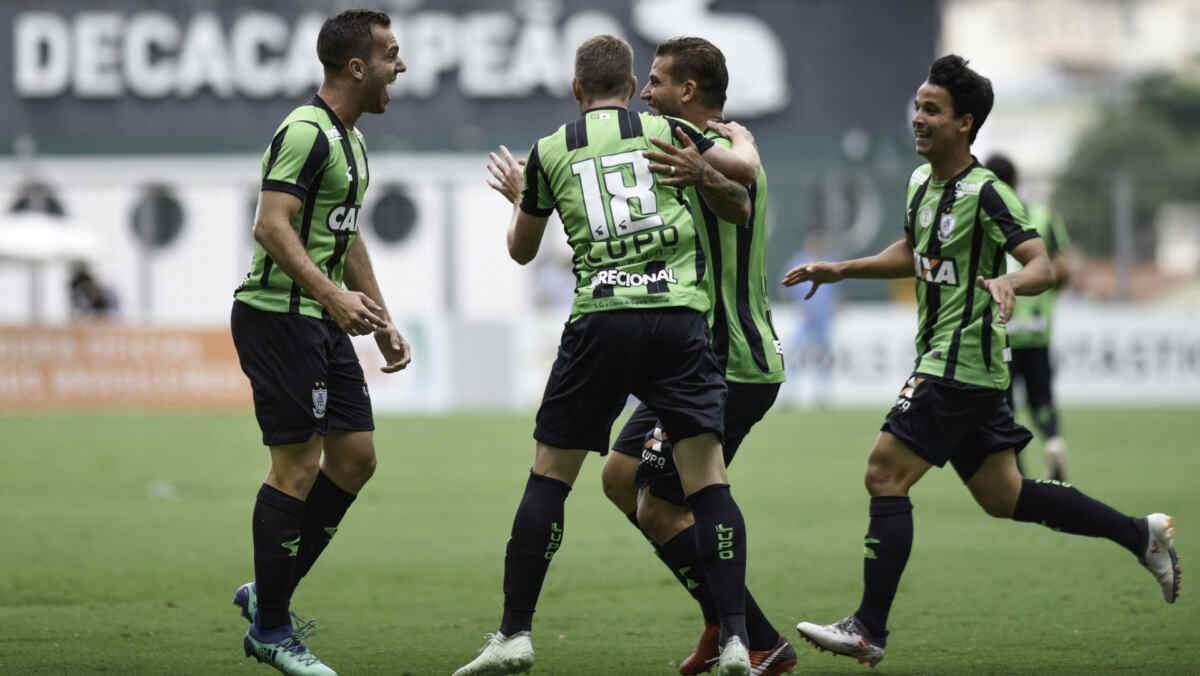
[688,79]
[290,322]
[637,326]
[960,222]
[1031,325]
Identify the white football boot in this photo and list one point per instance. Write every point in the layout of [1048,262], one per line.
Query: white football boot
[501,655]
[844,637]
[1160,557]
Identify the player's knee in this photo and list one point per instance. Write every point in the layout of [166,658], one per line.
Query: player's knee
[617,481]
[659,522]
[996,506]
[879,479]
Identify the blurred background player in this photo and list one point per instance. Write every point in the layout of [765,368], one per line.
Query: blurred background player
[688,79]
[637,326]
[812,336]
[960,222]
[290,322]
[1032,325]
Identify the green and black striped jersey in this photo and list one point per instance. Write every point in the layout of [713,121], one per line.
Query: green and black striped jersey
[743,335]
[315,158]
[633,241]
[960,229]
[1033,316]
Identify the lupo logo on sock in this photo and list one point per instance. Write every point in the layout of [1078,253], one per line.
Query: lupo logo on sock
[555,540]
[724,542]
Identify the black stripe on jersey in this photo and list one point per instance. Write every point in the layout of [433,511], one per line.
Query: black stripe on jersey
[720,333]
[531,196]
[754,340]
[577,134]
[317,154]
[703,143]
[933,296]
[310,204]
[341,238]
[997,210]
[602,291]
[626,124]
[661,286]
[985,338]
[969,283]
[985,341]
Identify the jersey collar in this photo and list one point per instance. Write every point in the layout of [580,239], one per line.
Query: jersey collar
[337,121]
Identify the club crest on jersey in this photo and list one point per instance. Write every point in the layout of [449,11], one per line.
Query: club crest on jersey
[343,219]
[320,395]
[926,216]
[946,227]
[935,270]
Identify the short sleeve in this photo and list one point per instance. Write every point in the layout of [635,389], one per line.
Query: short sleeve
[297,154]
[702,144]
[537,199]
[1004,216]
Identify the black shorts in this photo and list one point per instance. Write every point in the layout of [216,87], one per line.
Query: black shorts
[1032,366]
[643,438]
[944,420]
[304,373]
[662,356]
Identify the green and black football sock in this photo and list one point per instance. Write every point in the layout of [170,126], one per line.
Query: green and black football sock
[276,527]
[721,549]
[888,544]
[537,533]
[326,505]
[1062,507]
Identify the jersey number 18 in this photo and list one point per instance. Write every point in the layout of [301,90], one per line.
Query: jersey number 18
[599,222]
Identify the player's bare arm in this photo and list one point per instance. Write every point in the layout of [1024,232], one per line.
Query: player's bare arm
[739,162]
[360,276]
[684,166]
[525,235]
[893,262]
[1035,276]
[1061,262]
[354,311]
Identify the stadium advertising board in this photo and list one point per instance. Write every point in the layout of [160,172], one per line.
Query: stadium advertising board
[121,75]
[108,365]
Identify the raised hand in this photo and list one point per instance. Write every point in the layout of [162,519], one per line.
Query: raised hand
[509,177]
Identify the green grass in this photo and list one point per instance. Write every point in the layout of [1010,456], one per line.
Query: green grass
[122,538]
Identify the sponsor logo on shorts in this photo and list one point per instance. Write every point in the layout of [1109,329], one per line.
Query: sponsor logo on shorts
[935,270]
[631,279]
[904,401]
[320,396]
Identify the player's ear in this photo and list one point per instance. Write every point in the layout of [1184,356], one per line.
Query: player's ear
[688,91]
[965,123]
[576,90]
[357,68]
[633,89]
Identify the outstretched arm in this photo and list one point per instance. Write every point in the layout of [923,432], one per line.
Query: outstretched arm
[894,261]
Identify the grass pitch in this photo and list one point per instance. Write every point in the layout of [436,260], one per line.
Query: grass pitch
[124,537]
